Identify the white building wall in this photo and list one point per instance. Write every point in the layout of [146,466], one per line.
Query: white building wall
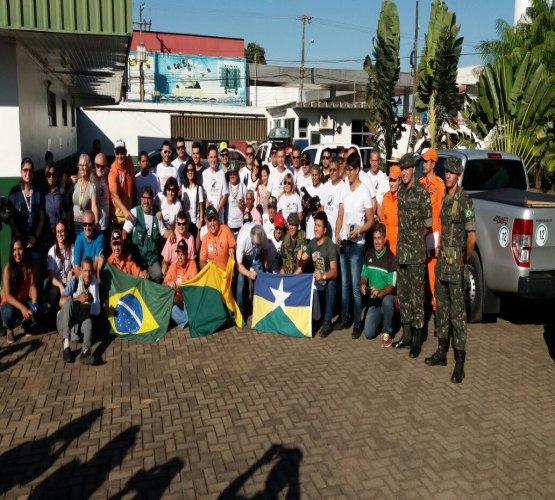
[273,96]
[37,136]
[10,137]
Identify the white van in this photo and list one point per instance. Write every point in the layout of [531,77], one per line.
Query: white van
[315,151]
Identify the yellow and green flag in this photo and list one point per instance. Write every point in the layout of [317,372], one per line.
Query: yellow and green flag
[136,309]
[209,301]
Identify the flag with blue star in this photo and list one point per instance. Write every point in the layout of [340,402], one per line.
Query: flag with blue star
[136,309]
[283,304]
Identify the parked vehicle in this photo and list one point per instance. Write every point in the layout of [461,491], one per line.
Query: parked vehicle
[237,157]
[277,137]
[515,231]
[315,151]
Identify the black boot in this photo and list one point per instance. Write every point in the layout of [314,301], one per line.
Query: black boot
[416,343]
[458,372]
[406,339]
[440,356]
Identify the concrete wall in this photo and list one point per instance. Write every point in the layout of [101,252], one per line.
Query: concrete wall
[273,96]
[37,136]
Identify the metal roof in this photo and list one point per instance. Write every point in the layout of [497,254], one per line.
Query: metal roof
[83,44]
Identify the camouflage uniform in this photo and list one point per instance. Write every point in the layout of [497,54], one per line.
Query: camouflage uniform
[289,250]
[415,215]
[457,218]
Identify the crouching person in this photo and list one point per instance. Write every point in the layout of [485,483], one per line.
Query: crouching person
[182,270]
[74,319]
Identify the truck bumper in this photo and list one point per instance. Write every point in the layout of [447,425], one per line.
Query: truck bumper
[539,285]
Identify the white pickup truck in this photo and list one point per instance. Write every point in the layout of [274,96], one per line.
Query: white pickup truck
[515,231]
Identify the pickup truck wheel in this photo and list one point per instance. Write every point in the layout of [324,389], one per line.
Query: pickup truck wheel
[475,289]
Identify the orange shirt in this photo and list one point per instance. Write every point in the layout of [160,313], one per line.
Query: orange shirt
[121,180]
[216,248]
[436,188]
[127,265]
[390,219]
[179,275]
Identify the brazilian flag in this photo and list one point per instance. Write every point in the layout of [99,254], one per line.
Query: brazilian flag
[283,304]
[136,309]
[209,301]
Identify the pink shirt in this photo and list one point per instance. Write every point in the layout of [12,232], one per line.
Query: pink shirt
[169,253]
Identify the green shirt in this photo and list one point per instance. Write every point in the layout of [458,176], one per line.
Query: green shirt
[380,269]
[322,255]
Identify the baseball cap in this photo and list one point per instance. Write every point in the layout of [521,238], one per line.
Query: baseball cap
[279,221]
[116,236]
[223,147]
[407,160]
[293,219]
[272,201]
[182,246]
[429,154]
[210,212]
[119,144]
[453,164]
[305,157]
[394,172]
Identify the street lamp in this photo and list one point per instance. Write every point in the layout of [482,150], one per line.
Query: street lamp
[141,57]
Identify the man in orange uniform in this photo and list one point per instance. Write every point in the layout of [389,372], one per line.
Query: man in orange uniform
[388,208]
[121,181]
[123,262]
[436,187]
[218,243]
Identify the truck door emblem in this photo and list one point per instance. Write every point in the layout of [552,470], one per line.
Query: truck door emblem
[500,220]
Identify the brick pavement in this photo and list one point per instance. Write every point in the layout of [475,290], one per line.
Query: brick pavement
[243,412]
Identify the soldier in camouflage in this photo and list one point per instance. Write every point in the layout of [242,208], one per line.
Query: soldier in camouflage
[415,218]
[294,244]
[458,237]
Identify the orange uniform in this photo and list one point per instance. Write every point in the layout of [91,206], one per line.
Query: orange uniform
[436,188]
[216,248]
[121,180]
[390,219]
[126,264]
[179,275]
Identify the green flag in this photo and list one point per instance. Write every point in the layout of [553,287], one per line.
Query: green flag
[137,309]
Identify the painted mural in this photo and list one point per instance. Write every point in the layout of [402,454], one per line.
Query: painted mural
[181,78]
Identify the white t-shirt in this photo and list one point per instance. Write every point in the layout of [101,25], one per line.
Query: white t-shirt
[245,247]
[330,202]
[273,248]
[244,173]
[102,200]
[60,267]
[177,163]
[366,180]
[215,186]
[169,212]
[381,185]
[267,224]
[275,182]
[164,173]
[249,183]
[190,203]
[234,213]
[150,179]
[302,181]
[316,191]
[129,226]
[354,204]
[288,204]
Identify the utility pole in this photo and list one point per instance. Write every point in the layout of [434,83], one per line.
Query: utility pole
[414,79]
[256,79]
[304,19]
[141,54]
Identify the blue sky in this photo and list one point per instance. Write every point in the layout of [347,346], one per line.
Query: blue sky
[342,30]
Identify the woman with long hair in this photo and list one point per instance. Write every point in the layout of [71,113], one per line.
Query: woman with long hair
[289,201]
[252,179]
[192,199]
[19,295]
[262,193]
[168,205]
[84,194]
[59,265]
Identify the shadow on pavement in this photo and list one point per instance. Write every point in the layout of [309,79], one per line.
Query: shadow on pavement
[151,483]
[283,477]
[81,479]
[549,337]
[526,312]
[25,462]
[24,349]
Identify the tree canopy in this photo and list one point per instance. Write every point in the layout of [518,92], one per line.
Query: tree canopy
[252,49]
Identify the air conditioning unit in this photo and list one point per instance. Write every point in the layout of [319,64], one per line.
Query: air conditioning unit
[326,122]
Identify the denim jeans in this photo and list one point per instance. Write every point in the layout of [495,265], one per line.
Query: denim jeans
[179,315]
[380,314]
[350,258]
[326,296]
[11,314]
[255,264]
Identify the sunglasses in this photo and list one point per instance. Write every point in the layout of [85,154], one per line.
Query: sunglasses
[287,183]
[50,174]
[27,170]
[180,224]
[295,157]
[326,157]
[97,165]
[180,147]
[88,224]
[278,228]
[224,155]
[171,189]
[249,154]
[120,152]
[166,152]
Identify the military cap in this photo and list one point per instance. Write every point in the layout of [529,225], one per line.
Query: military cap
[293,219]
[453,164]
[407,160]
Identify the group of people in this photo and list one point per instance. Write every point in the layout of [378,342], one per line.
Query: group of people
[368,237]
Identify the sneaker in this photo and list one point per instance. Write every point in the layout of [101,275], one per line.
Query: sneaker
[10,336]
[86,357]
[67,355]
[357,332]
[386,340]
[326,329]
[344,325]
